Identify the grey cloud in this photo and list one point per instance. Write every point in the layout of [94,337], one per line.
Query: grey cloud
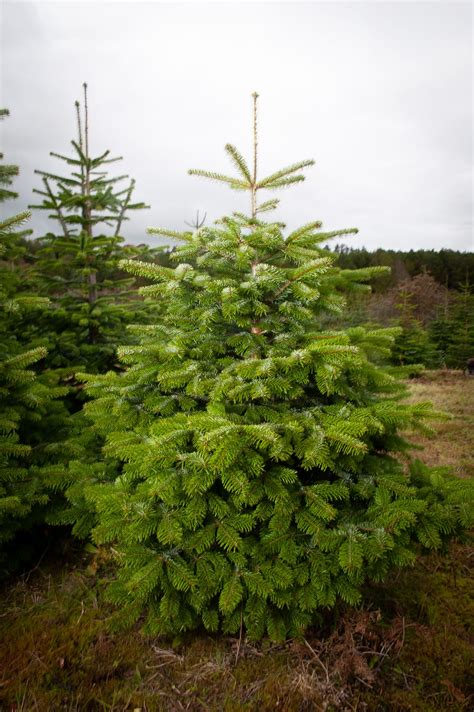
[380,94]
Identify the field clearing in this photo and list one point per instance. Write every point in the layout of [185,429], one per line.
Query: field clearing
[409,648]
[453,445]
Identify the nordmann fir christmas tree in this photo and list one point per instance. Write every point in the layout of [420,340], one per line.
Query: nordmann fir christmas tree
[261,479]
[77,267]
[33,420]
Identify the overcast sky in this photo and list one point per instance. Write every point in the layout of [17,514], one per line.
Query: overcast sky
[379,94]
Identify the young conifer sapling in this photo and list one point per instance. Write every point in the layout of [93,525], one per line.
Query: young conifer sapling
[261,454]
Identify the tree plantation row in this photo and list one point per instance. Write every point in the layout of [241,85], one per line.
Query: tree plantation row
[226,416]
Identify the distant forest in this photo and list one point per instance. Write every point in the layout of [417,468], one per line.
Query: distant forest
[428,294]
[450,268]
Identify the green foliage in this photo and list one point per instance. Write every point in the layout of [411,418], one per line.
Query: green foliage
[33,420]
[453,331]
[77,267]
[259,452]
[413,344]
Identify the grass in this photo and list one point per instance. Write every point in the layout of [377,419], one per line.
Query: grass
[409,648]
[453,446]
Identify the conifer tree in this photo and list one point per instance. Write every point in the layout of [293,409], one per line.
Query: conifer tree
[461,346]
[32,418]
[412,346]
[77,264]
[260,453]
[452,331]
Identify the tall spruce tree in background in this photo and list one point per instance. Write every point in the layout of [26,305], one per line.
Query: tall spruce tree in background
[261,476]
[33,420]
[77,264]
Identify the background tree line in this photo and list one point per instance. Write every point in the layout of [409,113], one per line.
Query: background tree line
[451,268]
[427,293]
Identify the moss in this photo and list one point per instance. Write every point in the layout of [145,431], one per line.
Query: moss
[408,649]
[433,668]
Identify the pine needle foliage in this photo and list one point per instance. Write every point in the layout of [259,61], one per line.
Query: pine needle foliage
[33,420]
[77,264]
[261,478]
[413,345]
[452,331]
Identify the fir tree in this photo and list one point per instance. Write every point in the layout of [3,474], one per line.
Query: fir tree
[261,478]
[412,346]
[461,345]
[77,265]
[452,331]
[32,418]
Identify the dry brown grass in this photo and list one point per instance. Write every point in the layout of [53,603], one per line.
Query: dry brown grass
[453,443]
